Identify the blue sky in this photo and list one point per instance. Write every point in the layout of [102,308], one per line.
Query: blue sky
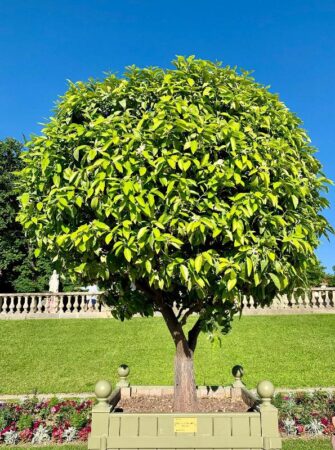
[289,44]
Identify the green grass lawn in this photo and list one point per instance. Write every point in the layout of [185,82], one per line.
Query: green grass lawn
[311,444]
[71,355]
[292,444]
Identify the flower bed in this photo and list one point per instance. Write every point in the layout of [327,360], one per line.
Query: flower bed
[306,413]
[38,422]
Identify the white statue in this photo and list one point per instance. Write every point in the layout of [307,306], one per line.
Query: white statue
[54,282]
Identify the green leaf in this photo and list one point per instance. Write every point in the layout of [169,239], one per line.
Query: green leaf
[118,166]
[233,143]
[249,266]
[63,201]
[275,280]
[190,81]
[56,180]
[127,187]
[295,201]
[127,254]
[198,263]
[148,266]
[231,284]
[194,146]
[123,103]
[184,272]
[108,238]
[142,232]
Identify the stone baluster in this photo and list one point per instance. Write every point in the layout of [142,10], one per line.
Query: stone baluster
[327,299]
[19,304]
[285,302]
[4,305]
[83,303]
[12,304]
[61,303]
[251,303]
[300,302]
[33,304]
[292,301]
[306,300]
[39,304]
[76,304]
[25,304]
[245,302]
[314,299]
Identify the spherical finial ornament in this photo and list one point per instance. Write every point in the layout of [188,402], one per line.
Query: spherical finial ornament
[123,370]
[103,389]
[237,371]
[265,390]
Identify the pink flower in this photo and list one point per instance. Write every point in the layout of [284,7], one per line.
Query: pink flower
[26,435]
[300,429]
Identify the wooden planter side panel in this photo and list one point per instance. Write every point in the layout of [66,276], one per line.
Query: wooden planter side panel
[221,431]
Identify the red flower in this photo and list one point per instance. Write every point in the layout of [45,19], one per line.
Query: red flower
[57,434]
[325,421]
[83,433]
[36,424]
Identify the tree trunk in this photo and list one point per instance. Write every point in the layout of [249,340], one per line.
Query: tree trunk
[185,395]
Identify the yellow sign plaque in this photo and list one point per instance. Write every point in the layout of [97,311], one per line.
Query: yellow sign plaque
[185,425]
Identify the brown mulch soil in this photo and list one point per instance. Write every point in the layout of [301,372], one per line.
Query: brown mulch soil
[144,404]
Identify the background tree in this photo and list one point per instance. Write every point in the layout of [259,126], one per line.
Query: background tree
[330,278]
[315,273]
[19,269]
[191,186]
[12,247]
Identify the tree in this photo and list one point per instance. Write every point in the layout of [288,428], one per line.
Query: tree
[315,273]
[330,278]
[12,249]
[19,269]
[183,188]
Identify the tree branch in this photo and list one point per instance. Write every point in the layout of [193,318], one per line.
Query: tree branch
[174,326]
[193,334]
[188,313]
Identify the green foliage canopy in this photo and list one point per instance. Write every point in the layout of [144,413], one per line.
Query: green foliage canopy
[195,185]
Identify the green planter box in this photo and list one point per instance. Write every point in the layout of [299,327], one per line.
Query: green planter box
[226,431]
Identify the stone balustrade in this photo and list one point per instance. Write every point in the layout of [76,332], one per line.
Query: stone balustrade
[88,305]
[52,305]
[315,300]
